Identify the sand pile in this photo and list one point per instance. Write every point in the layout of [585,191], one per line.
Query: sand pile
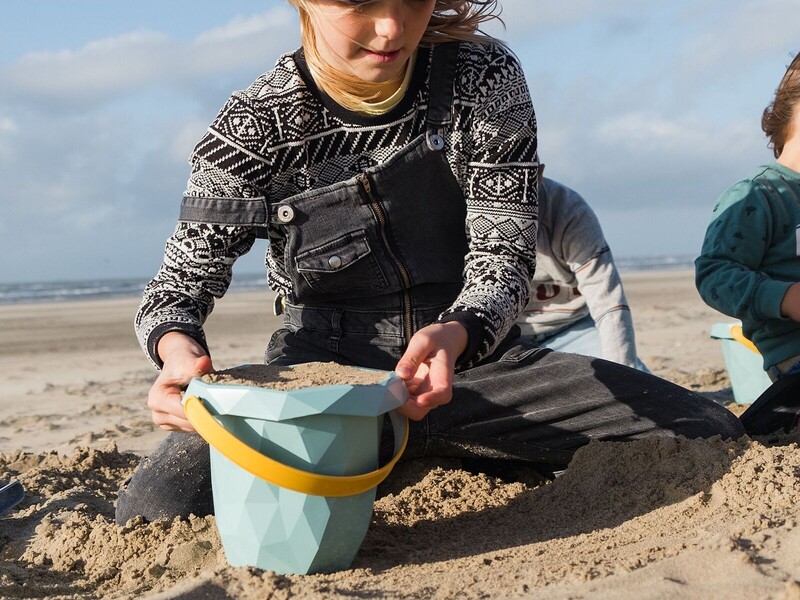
[679,507]
[307,375]
[652,519]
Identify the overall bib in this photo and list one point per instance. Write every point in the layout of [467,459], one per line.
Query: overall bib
[377,257]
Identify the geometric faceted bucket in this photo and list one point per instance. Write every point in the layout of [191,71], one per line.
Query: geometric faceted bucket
[294,472]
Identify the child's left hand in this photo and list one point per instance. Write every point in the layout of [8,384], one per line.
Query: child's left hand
[427,366]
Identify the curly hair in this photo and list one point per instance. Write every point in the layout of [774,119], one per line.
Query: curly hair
[451,20]
[776,121]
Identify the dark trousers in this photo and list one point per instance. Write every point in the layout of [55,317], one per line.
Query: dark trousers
[524,403]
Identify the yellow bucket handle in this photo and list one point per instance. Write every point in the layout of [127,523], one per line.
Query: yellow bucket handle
[736,333]
[283,475]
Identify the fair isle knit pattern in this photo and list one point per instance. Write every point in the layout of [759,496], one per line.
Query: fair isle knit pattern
[281,137]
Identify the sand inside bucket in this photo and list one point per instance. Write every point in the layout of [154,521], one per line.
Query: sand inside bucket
[313,374]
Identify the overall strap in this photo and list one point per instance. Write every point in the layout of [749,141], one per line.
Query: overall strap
[440,99]
[227,211]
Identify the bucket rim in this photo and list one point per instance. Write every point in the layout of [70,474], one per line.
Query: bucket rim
[250,401]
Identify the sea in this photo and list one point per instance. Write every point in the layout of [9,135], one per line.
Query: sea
[96,289]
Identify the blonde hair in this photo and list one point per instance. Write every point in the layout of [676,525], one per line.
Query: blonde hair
[451,20]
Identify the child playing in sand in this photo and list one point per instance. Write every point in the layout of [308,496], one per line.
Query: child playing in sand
[749,267]
[392,164]
[577,302]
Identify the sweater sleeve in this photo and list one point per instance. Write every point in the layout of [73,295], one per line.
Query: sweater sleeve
[196,270]
[199,257]
[727,272]
[584,250]
[599,282]
[500,191]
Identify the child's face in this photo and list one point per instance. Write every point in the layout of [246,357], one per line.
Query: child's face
[372,40]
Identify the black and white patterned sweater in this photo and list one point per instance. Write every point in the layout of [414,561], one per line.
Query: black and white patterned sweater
[282,136]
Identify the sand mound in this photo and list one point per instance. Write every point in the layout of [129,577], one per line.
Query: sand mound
[306,375]
[682,508]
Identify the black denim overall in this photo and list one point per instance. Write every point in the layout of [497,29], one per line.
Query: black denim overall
[375,258]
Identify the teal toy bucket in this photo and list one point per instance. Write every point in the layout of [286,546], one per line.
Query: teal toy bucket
[294,472]
[744,363]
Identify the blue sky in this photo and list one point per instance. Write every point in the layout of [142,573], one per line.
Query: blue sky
[649,108]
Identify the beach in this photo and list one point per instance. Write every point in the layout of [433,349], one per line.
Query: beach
[646,519]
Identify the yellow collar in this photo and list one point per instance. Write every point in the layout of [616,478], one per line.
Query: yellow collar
[384,106]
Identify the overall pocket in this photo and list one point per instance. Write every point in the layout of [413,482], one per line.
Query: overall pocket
[341,266]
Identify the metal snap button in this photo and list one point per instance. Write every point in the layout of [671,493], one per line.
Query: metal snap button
[335,261]
[435,142]
[285,214]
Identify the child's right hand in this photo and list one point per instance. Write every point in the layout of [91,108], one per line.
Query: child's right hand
[183,359]
[790,305]
[427,367]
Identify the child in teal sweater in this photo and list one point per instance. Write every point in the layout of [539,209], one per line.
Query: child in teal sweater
[749,267]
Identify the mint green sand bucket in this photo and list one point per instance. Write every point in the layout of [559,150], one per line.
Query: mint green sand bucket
[294,472]
[744,363]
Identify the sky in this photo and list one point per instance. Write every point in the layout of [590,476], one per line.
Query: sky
[648,108]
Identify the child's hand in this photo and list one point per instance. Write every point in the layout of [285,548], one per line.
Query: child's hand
[790,305]
[183,359]
[428,365]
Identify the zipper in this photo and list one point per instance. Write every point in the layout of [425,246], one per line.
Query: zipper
[380,215]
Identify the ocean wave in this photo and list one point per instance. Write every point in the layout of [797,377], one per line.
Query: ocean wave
[66,291]
[96,289]
[654,263]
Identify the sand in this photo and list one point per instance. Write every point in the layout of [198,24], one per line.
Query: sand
[308,375]
[650,519]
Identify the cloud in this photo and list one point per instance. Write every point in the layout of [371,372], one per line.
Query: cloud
[642,118]
[652,178]
[739,54]
[104,185]
[8,129]
[95,73]
[641,132]
[7,125]
[187,136]
[112,68]
[642,159]
[743,33]
[94,142]
[636,101]
[524,17]
[244,27]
